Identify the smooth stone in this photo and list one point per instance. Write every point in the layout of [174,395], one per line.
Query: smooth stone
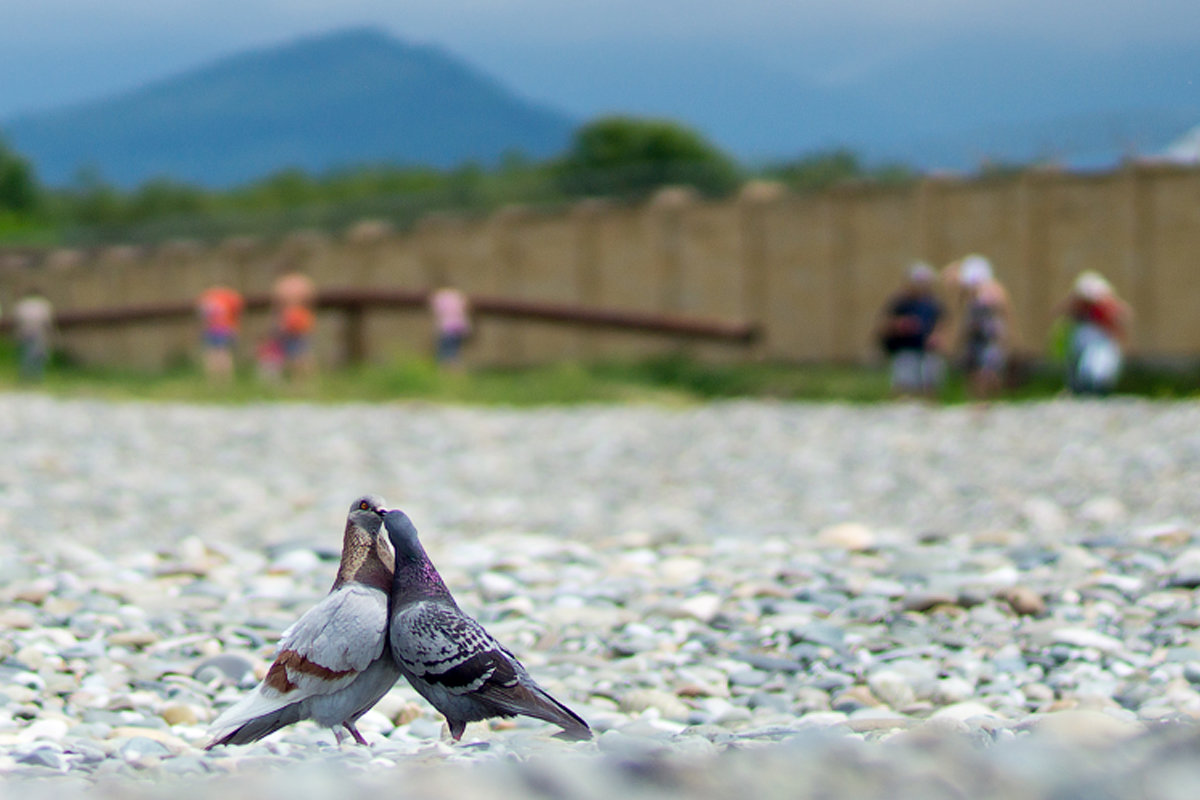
[702,607]
[135,639]
[186,765]
[44,756]
[179,714]
[139,748]
[1083,727]
[17,619]
[1082,637]
[749,677]
[230,668]
[951,690]
[771,663]
[892,688]
[927,601]
[667,704]
[1025,601]
[964,711]
[851,536]
[52,729]
[626,745]
[821,633]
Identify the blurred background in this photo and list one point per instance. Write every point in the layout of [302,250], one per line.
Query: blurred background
[771,165]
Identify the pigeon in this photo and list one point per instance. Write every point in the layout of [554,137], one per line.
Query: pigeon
[333,663]
[448,657]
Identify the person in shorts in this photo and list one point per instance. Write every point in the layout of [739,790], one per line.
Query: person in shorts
[910,333]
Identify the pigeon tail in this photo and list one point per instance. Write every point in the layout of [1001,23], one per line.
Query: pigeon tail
[257,727]
[537,703]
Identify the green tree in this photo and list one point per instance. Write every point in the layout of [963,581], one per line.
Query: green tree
[631,157]
[165,198]
[820,171]
[19,190]
[94,201]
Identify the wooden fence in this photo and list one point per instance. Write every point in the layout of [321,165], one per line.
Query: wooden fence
[808,272]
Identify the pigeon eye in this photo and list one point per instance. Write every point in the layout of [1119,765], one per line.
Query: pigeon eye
[364,505]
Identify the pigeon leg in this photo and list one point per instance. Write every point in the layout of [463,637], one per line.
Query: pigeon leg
[354,732]
[456,729]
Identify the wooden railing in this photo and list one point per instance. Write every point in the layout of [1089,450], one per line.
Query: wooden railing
[356,303]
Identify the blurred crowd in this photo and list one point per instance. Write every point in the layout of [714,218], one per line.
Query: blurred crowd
[285,353]
[958,317]
[961,317]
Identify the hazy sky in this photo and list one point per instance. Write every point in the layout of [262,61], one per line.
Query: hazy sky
[54,52]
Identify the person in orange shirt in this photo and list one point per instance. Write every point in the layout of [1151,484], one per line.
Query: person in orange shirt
[220,310]
[294,295]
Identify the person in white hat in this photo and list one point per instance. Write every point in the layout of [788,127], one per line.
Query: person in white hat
[986,325]
[1098,321]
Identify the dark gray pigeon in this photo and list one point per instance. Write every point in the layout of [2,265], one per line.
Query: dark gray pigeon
[333,663]
[448,657]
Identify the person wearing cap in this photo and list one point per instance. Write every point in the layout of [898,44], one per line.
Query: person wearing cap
[1097,320]
[910,333]
[986,325]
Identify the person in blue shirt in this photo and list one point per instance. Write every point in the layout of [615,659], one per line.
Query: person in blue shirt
[910,333]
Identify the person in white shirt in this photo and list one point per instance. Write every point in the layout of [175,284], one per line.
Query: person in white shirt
[33,321]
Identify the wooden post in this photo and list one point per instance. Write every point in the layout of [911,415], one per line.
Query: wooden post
[756,201]
[839,210]
[1034,308]
[1140,257]
[588,278]
[509,260]
[354,334]
[931,246]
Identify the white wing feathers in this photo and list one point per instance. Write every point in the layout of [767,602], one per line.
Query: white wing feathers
[320,653]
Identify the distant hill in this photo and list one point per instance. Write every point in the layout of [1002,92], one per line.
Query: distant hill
[349,98]
[955,105]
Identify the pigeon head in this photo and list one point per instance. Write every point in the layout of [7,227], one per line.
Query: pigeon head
[365,554]
[403,535]
[414,575]
[366,513]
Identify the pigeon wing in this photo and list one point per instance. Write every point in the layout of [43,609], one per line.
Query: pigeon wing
[320,653]
[334,641]
[448,649]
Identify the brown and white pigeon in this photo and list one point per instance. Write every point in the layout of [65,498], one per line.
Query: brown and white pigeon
[333,663]
[448,657]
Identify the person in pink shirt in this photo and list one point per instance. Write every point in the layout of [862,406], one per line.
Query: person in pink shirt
[452,323]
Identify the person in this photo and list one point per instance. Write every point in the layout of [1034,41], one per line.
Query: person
[1097,320]
[293,297]
[986,326]
[220,310]
[452,323]
[33,321]
[910,333]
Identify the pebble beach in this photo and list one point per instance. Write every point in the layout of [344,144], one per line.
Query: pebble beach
[744,599]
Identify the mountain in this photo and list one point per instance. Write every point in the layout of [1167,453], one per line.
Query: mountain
[361,96]
[349,98]
[951,105]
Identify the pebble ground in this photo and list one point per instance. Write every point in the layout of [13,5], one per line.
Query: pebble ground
[744,599]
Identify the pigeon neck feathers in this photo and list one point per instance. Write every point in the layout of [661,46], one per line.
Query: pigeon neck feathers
[414,575]
[362,559]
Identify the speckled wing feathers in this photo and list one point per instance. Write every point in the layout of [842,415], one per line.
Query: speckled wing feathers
[441,645]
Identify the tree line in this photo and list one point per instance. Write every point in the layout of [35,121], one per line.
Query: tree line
[618,157]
